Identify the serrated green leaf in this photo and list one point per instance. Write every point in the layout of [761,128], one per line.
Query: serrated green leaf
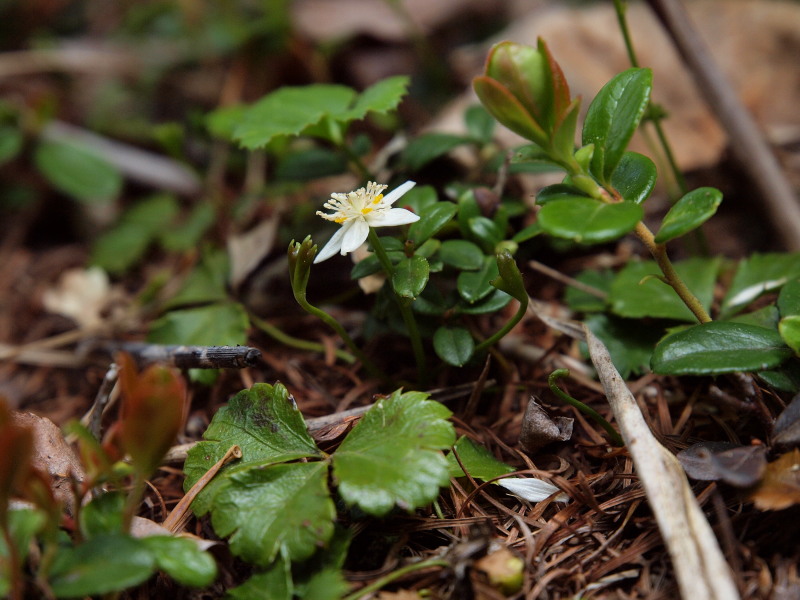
[103,564]
[629,344]
[321,577]
[289,111]
[579,300]
[206,283]
[462,255]
[474,286]
[10,143]
[392,457]
[430,146]
[635,177]
[120,248]
[789,328]
[182,559]
[688,213]
[477,460]
[589,221]
[264,509]
[410,276]
[756,275]
[188,233]
[454,345]
[431,221]
[274,583]
[613,116]
[222,324]
[264,422]
[381,97]
[719,347]
[222,122]
[633,298]
[789,299]
[78,172]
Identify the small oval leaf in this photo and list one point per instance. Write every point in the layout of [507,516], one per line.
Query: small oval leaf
[431,220]
[719,347]
[635,177]
[588,220]
[476,285]
[558,191]
[410,276]
[789,328]
[688,213]
[78,172]
[461,254]
[454,345]
[613,116]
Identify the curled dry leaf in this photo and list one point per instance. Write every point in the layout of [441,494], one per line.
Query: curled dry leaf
[780,486]
[504,569]
[787,427]
[539,429]
[739,466]
[52,455]
[81,295]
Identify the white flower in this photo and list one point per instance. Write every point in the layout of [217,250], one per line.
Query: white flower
[531,489]
[357,211]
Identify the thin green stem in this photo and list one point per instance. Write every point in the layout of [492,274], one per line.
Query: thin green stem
[621,7]
[489,342]
[659,253]
[133,500]
[587,410]
[405,309]
[300,297]
[394,575]
[293,342]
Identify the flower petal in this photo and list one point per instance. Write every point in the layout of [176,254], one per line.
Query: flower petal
[530,489]
[393,216]
[395,194]
[355,234]
[333,246]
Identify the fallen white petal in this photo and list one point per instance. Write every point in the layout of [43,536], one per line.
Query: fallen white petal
[532,490]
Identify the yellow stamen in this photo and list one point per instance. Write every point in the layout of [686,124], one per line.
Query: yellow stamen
[340,220]
[378,198]
[366,210]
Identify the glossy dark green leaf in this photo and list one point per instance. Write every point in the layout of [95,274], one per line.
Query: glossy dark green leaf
[410,277]
[688,213]
[613,116]
[103,564]
[392,457]
[430,146]
[477,460]
[485,231]
[461,254]
[428,249]
[182,559]
[369,266]
[629,343]
[528,233]
[558,191]
[756,275]
[78,172]
[635,177]
[431,221]
[632,297]
[789,298]
[496,300]
[454,345]
[719,347]
[476,285]
[418,199]
[589,221]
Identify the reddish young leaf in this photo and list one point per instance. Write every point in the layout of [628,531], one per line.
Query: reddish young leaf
[561,100]
[153,410]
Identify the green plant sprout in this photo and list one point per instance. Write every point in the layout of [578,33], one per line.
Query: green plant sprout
[552,379]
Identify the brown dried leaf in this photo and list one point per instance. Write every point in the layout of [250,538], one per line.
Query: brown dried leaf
[504,569]
[739,466]
[780,486]
[786,431]
[539,429]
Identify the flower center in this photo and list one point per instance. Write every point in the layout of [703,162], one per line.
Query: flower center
[354,205]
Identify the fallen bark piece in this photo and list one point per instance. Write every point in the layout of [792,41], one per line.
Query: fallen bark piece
[700,568]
